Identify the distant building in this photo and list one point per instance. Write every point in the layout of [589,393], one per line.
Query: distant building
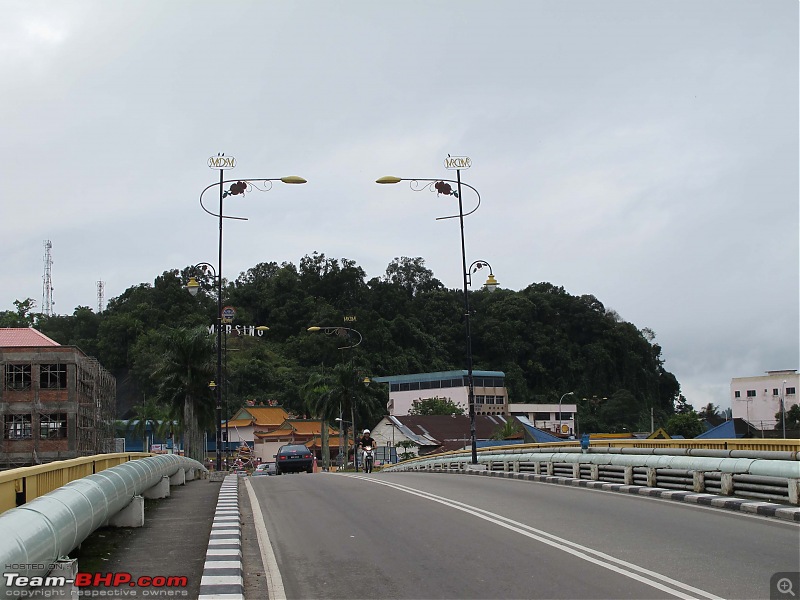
[55,402]
[546,416]
[429,434]
[758,399]
[489,388]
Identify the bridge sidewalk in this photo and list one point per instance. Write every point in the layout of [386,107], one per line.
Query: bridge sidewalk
[173,541]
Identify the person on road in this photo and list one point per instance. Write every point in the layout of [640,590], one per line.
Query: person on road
[365,440]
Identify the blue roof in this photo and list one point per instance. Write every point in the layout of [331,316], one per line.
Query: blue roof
[540,436]
[726,430]
[437,376]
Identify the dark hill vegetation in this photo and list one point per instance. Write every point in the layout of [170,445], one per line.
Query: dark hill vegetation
[545,340]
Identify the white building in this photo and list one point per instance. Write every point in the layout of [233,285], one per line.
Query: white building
[546,416]
[491,397]
[757,399]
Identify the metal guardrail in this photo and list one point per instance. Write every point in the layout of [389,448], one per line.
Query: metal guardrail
[763,474]
[46,529]
[21,485]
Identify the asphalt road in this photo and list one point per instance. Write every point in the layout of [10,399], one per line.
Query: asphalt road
[425,536]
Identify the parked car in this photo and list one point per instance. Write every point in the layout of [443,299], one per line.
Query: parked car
[267,468]
[293,458]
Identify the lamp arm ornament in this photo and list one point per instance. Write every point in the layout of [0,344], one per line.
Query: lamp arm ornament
[477,266]
[204,266]
[433,185]
[340,331]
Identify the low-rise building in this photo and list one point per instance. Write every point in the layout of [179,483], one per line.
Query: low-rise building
[489,389]
[547,416]
[55,402]
[758,399]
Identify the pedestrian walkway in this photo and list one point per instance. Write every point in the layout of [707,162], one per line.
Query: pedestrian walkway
[173,541]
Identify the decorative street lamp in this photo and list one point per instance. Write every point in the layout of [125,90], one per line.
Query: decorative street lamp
[443,187]
[343,332]
[237,187]
[559,409]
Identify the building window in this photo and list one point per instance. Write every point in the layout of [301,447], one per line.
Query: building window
[394,387]
[737,394]
[18,427]
[480,399]
[52,426]
[790,391]
[541,416]
[18,377]
[774,391]
[751,393]
[53,377]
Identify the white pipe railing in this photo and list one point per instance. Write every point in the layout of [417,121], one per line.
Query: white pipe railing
[765,475]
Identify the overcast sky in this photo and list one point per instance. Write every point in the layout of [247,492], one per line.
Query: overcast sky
[645,152]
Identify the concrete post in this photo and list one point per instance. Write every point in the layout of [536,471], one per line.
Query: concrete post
[628,476]
[698,481]
[726,484]
[550,468]
[652,477]
[158,491]
[179,478]
[130,516]
[576,471]
[595,472]
[794,491]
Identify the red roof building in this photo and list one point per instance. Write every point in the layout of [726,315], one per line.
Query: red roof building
[55,402]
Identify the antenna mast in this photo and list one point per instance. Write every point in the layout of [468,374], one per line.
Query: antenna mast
[47,288]
[100,296]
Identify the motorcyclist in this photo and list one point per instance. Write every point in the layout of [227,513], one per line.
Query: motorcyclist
[365,440]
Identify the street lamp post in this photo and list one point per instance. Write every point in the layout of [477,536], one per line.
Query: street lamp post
[442,186]
[237,187]
[783,409]
[559,409]
[344,332]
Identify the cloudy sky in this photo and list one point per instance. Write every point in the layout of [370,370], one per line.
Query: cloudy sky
[642,151]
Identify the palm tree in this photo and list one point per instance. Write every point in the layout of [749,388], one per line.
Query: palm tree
[148,413]
[317,394]
[183,372]
[509,430]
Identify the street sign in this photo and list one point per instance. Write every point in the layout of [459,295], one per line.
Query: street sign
[457,162]
[228,314]
[221,162]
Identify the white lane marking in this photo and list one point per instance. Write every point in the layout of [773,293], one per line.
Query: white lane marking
[601,559]
[275,589]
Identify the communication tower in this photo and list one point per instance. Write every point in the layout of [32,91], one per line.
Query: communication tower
[47,288]
[100,296]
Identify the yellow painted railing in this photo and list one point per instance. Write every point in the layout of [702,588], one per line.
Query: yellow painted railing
[18,486]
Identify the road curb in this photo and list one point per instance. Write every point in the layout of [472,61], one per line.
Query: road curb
[223,571]
[757,507]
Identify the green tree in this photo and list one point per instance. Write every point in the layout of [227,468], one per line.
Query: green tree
[407,447]
[23,316]
[183,373]
[792,418]
[688,425]
[509,430]
[149,412]
[435,406]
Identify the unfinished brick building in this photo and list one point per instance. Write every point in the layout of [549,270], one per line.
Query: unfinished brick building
[55,402]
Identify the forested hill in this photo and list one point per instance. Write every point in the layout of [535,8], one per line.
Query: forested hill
[547,341]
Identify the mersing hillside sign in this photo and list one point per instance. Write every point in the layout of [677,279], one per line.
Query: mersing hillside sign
[250,330]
